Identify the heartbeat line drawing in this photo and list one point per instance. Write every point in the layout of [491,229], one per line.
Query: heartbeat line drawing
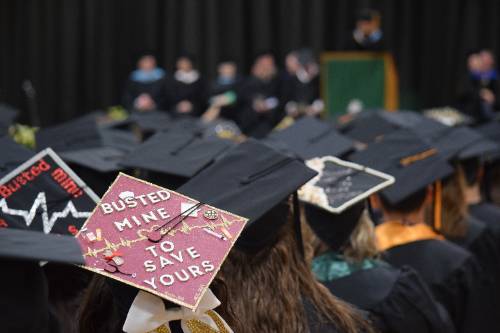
[41,201]
[185,229]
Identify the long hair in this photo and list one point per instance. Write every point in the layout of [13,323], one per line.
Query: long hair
[361,244]
[99,311]
[454,207]
[266,290]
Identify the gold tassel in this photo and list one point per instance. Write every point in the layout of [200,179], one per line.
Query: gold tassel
[437,205]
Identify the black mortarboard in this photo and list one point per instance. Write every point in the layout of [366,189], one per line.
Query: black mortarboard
[415,121]
[30,245]
[310,137]
[178,153]
[461,143]
[413,163]
[7,116]
[251,180]
[12,155]
[334,199]
[74,135]
[491,131]
[151,121]
[368,127]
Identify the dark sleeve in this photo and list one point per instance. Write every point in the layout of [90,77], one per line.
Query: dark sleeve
[315,323]
[466,297]
[411,307]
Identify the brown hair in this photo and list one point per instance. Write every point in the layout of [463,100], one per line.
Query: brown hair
[99,312]
[454,207]
[266,290]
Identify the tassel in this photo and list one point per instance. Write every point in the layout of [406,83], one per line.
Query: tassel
[437,205]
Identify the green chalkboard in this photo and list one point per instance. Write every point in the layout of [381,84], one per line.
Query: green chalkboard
[351,76]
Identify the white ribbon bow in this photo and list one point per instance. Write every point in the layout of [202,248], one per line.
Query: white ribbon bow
[148,313]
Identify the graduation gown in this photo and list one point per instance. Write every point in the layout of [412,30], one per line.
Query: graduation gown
[25,302]
[452,274]
[251,122]
[194,92]
[156,89]
[482,243]
[397,299]
[489,214]
[470,101]
[229,112]
[316,325]
[300,92]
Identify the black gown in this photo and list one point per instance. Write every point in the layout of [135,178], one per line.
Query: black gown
[194,92]
[229,112]
[251,122]
[453,275]
[397,299]
[156,89]
[315,323]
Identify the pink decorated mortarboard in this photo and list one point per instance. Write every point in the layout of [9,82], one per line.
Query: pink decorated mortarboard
[158,240]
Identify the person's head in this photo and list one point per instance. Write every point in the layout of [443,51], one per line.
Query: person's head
[359,243]
[474,63]
[292,63]
[106,303]
[413,204]
[454,206]
[264,67]
[368,21]
[146,63]
[487,60]
[227,69]
[184,63]
[266,287]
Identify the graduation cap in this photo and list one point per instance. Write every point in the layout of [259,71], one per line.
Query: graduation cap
[491,131]
[7,116]
[74,135]
[251,180]
[415,121]
[27,245]
[368,127]
[413,163]
[310,137]
[151,121]
[334,199]
[12,155]
[461,143]
[158,240]
[178,153]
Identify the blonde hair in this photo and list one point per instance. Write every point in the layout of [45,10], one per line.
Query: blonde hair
[362,243]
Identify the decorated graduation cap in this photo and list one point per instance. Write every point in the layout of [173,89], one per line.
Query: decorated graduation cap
[251,180]
[12,155]
[334,199]
[176,153]
[413,163]
[44,194]
[310,137]
[163,243]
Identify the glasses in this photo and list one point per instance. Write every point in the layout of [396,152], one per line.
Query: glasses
[157,234]
[111,267]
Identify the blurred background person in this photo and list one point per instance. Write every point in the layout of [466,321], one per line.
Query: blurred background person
[261,96]
[478,97]
[145,88]
[368,36]
[301,84]
[223,92]
[186,90]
